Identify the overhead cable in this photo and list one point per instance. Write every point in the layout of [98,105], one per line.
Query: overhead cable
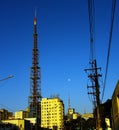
[91,11]
[109,43]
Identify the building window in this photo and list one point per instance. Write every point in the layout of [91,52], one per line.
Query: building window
[118,103]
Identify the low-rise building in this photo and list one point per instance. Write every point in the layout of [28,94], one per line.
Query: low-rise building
[86,116]
[20,124]
[72,115]
[71,111]
[32,120]
[5,114]
[20,114]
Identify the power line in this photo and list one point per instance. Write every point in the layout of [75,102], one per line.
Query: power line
[109,44]
[6,107]
[91,11]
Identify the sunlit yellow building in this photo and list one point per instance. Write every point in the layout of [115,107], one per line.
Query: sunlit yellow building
[20,114]
[115,108]
[86,116]
[52,113]
[72,115]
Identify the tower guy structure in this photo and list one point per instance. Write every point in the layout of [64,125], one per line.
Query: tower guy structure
[35,79]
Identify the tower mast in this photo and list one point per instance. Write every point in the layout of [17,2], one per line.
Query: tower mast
[35,78]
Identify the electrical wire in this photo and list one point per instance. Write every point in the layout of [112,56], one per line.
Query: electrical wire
[91,11]
[109,44]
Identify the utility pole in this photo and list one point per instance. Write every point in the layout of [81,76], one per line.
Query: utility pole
[98,123]
[93,75]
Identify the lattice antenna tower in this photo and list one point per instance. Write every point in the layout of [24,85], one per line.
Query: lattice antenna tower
[35,78]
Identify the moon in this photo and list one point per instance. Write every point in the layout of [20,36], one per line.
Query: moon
[69,80]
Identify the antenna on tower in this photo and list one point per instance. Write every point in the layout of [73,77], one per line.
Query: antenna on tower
[69,105]
[35,17]
[35,12]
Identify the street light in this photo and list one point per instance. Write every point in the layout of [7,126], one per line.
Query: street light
[10,76]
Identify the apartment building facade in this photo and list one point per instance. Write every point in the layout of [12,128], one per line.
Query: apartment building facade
[115,108]
[52,113]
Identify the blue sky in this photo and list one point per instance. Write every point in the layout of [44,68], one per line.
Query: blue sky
[63,38]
